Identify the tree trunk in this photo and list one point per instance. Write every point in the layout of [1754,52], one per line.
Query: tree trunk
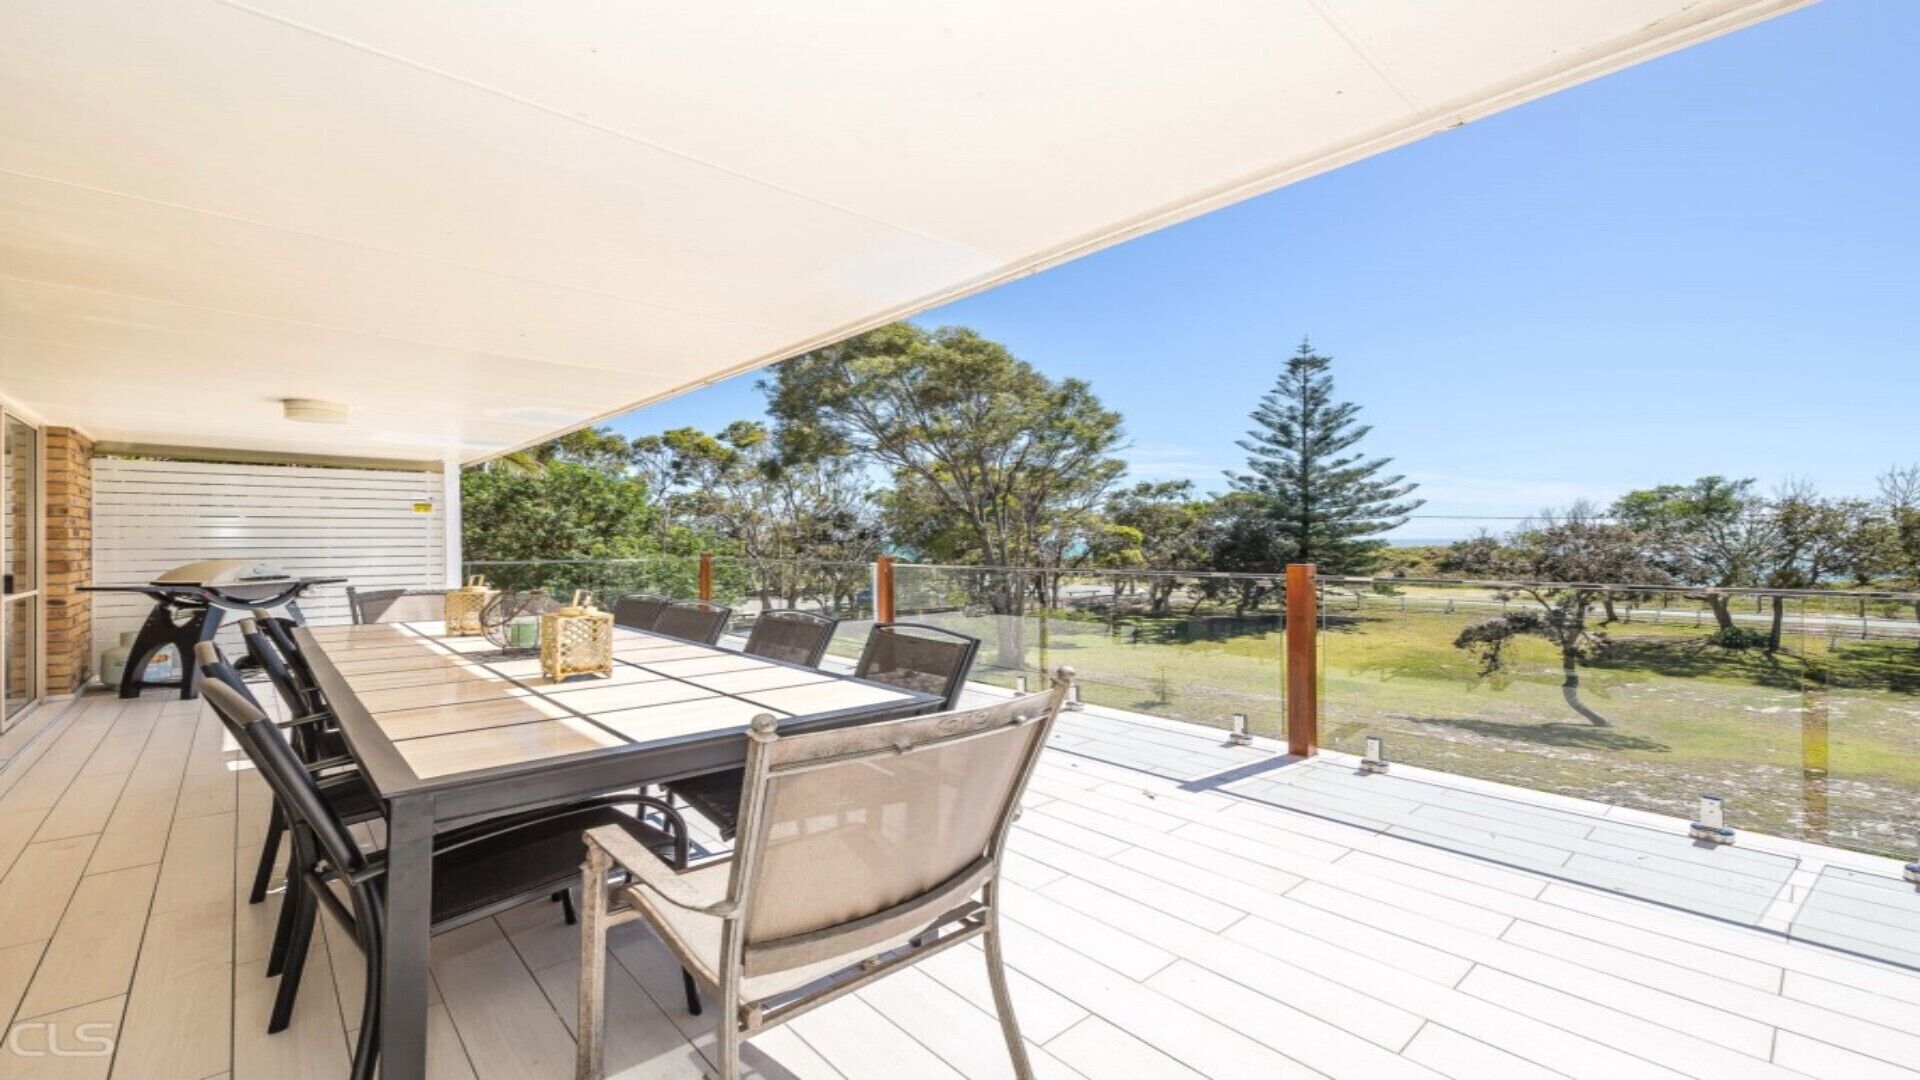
[1570,688]
[1722,611]
[1159,594]
[1606,601]
[1008,599]
[1773,632]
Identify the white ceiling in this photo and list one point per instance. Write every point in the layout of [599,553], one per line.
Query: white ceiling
[481,223]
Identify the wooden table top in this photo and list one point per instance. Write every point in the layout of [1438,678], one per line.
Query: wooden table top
[452,706]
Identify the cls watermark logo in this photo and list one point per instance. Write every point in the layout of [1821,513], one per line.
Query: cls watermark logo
[47,1039]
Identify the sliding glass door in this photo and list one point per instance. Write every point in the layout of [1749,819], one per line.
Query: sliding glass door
[19,567]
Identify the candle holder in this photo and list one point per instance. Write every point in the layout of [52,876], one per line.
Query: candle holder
[464,605]
[576,640]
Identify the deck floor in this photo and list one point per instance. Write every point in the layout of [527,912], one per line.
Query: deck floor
[1162,926]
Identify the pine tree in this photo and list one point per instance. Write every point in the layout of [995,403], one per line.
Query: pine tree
[1326,505]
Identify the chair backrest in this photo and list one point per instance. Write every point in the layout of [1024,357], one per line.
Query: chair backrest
[293,786]
[397,605]
[279,633]
[854,836]
[639,611]
[214,665]
[798,637]
[916,657]
[693,620]
[261,648]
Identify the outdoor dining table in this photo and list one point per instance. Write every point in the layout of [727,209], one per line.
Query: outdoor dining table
[450,730]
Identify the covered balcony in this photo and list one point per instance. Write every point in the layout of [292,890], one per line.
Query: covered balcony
[277,272]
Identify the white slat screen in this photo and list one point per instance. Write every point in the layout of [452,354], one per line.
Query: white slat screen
[378,528]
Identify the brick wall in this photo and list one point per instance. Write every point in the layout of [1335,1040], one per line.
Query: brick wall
[69,560]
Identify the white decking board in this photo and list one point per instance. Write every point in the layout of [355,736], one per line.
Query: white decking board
[1159,925]
[1728,882]
[1875,915]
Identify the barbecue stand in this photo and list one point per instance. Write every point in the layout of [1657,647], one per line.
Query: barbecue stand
[189,603]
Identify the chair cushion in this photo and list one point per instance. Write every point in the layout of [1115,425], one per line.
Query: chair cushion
[715,795]
[699,935]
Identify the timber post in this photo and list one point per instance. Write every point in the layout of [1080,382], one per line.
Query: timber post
[883,589]
[1303,668]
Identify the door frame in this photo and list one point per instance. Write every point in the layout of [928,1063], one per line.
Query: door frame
[36,597]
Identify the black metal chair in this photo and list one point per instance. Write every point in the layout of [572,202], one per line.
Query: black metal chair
[693,620]
[339,781]
[915,656]
[798,637]
[397,605]
[478,871]
[639,611]
[908,655]
[320,736]
[279,631]
[317,742]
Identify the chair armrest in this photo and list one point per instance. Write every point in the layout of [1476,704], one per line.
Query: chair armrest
[657,877]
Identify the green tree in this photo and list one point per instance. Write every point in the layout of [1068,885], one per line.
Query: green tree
[596,448]
[563,512]
[1173,530]
[1816,538]
[1475,557]
[1245,543]
[1897,547]
[790,517]
[970,432]
[1328,503]
[1715,533]
[1555,563]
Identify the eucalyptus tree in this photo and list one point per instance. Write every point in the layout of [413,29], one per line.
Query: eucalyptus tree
[1714,532]
[792,517]
[978,438]
[1174,527]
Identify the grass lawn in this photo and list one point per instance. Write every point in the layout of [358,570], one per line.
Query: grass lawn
[1821,741]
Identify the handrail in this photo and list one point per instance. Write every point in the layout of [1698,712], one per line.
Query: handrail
[1275,577]
[1633,587]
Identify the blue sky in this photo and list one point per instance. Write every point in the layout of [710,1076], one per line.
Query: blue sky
[1706,264]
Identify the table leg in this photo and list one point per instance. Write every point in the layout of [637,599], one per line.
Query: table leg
[403,964]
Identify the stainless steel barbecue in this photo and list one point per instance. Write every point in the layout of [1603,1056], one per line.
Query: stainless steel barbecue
[189,604]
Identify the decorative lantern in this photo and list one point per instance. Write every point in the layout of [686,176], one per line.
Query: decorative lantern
[464,606]
[576,640]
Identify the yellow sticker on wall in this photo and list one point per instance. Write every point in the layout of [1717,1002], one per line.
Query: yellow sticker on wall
[423,508]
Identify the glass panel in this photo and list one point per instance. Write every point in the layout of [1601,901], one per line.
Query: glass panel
[19,676]
[1798,713]
[1199,649]
[21,483]
[1875,915]
[1664,865]
[606,580]
[1857,746]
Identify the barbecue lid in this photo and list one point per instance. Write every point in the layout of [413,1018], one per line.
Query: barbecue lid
[214,573]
